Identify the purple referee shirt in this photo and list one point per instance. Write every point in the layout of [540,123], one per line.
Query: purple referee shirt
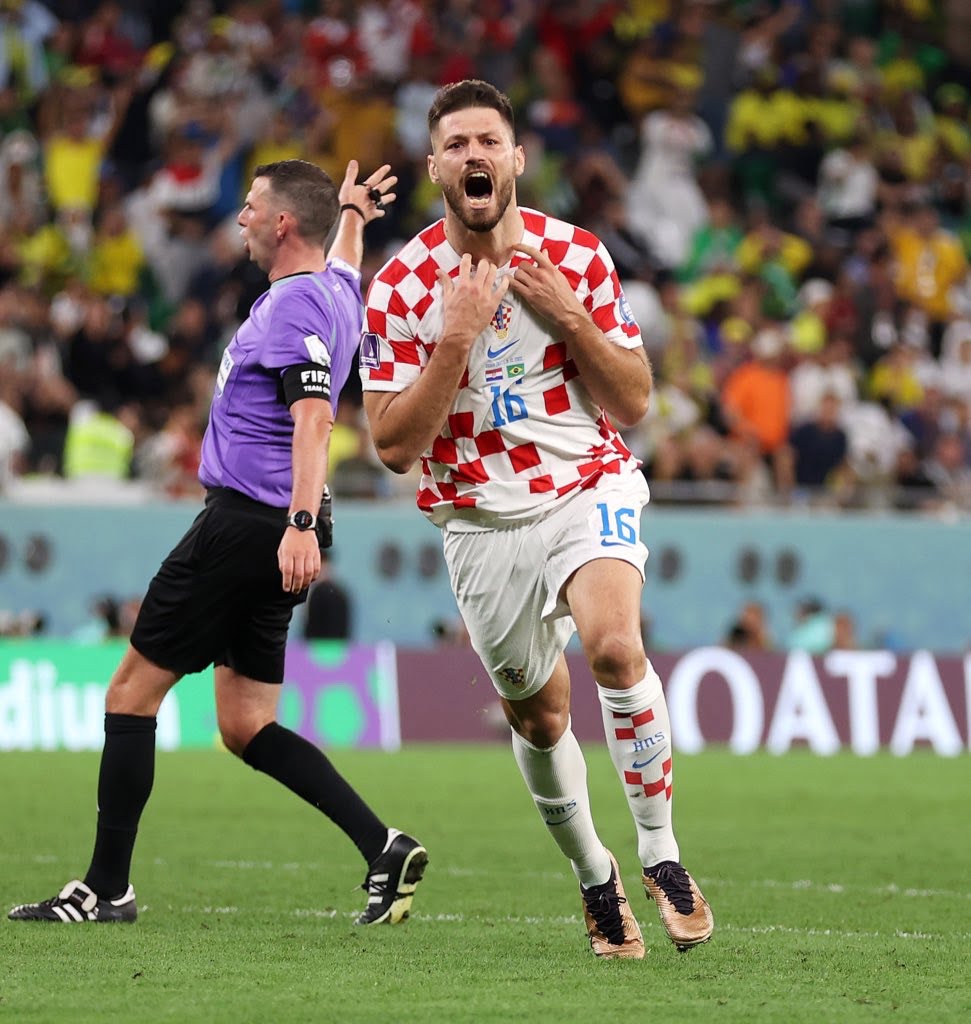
[304,318]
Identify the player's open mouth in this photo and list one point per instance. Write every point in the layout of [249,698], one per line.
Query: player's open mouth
[478,189]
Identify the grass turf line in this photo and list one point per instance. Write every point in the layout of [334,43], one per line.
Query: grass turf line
[839,887]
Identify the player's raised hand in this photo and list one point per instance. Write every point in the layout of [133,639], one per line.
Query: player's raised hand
[470,300]
[373,195]
[544,286]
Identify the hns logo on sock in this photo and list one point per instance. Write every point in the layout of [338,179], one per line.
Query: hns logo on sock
[558,814]
[645,742]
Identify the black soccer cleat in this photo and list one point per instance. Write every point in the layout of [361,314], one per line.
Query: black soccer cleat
[77,904]
[392,879]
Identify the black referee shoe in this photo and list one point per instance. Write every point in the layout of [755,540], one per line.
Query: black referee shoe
[392,879]
[76,904]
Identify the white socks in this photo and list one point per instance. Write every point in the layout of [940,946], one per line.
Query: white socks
[638,733]
[557,781]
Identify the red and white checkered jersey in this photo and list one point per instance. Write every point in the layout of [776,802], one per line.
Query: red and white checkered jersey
[523,431]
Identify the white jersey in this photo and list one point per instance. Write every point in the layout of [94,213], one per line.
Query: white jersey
[523,431]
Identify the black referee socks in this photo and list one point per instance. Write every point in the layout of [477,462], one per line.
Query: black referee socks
[306,770]
[124,785]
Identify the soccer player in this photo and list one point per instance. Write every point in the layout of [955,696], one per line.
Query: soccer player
[226,593]
[498,349]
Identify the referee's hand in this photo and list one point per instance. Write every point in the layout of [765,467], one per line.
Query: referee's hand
[299,559]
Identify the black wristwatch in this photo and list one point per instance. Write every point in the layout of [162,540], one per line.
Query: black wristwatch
[302,520]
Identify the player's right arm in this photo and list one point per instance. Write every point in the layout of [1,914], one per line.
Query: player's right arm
[405,423]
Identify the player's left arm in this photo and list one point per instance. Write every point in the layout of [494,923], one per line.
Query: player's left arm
[618,379]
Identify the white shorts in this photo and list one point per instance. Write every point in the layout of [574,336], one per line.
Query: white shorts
[509,580]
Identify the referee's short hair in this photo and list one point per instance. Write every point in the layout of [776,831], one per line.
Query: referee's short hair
[306,191]
[472,92]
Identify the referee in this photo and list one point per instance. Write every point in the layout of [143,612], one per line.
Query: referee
[226,593]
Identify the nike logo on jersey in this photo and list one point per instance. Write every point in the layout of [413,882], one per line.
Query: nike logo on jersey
[495,353]
[643,764]
[614,544]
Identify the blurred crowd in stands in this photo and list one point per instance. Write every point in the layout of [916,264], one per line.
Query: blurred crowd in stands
[815,629]
[784,188]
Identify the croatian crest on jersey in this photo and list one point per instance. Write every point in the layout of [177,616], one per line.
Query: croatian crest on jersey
[513,676]
[500,320]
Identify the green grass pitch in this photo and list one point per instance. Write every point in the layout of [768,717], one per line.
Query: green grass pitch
[841,891]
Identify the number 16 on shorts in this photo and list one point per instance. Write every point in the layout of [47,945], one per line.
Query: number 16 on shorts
[618,526]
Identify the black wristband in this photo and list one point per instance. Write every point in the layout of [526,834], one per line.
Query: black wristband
[356,209]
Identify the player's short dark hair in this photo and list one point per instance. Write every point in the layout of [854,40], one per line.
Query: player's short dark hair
[307,192]
[472,92]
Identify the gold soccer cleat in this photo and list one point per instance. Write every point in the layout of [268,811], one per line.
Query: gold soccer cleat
[685,913]
[613,930]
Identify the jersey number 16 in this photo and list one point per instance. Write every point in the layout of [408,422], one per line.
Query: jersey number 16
[506,406]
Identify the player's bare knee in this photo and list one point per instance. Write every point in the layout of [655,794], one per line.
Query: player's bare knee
[137,687]
[236,734]
[117,694]
[543,727]
[233,743]
[617,659]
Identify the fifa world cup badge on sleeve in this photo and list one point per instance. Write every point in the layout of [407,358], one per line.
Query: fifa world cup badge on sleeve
[370,352]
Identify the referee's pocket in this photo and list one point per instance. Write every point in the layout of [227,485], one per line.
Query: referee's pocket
[206,534]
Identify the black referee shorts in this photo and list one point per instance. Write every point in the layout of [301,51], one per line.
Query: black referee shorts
[218,597]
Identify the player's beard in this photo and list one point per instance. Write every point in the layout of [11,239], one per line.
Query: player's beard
[478,220]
